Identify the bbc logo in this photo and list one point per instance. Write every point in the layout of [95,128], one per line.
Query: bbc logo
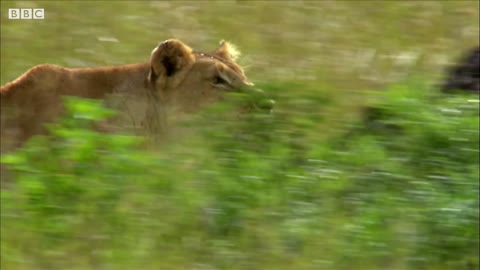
[26,13]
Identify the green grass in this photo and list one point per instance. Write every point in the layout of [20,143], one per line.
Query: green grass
[322,182]
[261,191]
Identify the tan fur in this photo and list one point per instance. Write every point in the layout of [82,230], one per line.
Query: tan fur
[174,77]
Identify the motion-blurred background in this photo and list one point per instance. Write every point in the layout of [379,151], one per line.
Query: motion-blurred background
[363,164]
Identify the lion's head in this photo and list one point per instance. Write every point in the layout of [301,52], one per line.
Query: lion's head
[188,79]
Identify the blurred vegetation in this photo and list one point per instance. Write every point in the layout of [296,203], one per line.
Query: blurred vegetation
[253,191]
[336,177]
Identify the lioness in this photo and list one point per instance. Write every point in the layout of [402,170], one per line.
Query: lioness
[175,76]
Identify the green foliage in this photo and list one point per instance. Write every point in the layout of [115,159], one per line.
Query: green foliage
[254,188]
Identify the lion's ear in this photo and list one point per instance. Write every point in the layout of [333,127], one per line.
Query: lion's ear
[227,50]
[170,57]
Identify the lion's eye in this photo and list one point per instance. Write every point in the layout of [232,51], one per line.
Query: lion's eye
[219,80]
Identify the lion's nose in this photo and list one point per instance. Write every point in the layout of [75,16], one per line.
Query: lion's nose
[249,83]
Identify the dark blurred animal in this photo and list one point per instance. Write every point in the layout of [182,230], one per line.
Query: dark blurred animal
[464,75]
